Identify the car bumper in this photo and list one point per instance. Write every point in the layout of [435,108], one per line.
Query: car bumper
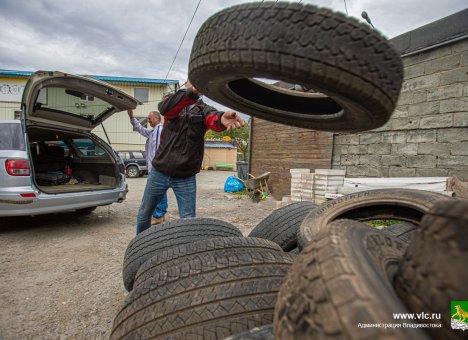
[12,204]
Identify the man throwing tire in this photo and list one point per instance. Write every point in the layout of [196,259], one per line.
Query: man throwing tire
[180,153]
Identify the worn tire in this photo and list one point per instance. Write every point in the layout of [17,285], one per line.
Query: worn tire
[357,72]
[400,204]
[433,270]
[341,279]
[282,224]
[182,253]
[210,296]
[169,234]
[404,231]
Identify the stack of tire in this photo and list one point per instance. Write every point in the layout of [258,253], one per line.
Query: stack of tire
[349,277]
[304,272]
[199,278]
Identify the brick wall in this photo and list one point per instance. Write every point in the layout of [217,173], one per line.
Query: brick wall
[428,132]
[277,148]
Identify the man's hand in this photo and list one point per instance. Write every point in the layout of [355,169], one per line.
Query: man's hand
[130,113]
[188,85]
[231,120]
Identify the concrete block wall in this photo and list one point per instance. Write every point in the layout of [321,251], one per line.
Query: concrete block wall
[428,132]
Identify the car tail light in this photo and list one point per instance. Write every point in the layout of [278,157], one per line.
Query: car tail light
[17,167]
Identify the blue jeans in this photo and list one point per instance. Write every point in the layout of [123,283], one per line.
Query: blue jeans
[185,190]
[161,207]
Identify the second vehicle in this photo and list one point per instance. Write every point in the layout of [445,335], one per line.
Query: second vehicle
[135,163]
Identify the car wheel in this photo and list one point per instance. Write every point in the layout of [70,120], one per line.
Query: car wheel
[208,296]
[433,272]
[282,224]
[399,204]
[357,74]
[86,211]
[132,172]
[340,280]
[169,234]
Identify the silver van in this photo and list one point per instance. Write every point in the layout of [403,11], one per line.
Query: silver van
[50,161]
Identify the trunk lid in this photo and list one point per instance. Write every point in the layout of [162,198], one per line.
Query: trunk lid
[72,101]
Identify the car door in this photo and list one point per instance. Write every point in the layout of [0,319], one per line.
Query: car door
[57,98]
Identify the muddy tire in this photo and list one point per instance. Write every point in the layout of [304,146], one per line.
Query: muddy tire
[399,204]
[357,72]
[210,296]
[433,270]
[340,280]
[169,234]
[179,254]
[282,224]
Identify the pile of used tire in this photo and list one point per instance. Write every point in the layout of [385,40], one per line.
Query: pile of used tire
[304,272]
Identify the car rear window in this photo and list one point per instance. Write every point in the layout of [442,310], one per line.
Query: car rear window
[88,148]
[11,137]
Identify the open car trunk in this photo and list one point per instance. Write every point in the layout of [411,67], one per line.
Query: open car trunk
[64,161]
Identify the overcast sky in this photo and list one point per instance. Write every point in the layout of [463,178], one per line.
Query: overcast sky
[140,38]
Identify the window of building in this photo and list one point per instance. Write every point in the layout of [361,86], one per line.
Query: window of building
[141,94]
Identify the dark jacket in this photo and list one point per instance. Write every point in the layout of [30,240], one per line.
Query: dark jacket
[187,118]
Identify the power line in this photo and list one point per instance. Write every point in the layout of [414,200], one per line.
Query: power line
[346,8]
[190,23]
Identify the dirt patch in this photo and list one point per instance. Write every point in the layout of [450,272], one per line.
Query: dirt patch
[62,273]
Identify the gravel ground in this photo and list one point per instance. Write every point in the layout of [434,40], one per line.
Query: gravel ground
[61,274]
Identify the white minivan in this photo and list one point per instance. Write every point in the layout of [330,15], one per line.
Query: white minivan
[50,161]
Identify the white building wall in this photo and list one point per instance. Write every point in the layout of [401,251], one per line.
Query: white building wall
[118,127]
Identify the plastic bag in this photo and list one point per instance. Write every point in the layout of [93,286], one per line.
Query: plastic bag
[233,185]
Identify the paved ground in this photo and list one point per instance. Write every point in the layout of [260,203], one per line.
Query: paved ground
[61,275]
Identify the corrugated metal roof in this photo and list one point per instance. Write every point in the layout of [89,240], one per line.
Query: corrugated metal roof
[220,145]
[136,80]
[11,73]
[25,74]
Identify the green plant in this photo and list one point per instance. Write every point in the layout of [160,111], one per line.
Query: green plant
[381,223]
[240,137]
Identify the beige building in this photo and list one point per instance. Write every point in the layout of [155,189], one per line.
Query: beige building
[220,155]
[119,132]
